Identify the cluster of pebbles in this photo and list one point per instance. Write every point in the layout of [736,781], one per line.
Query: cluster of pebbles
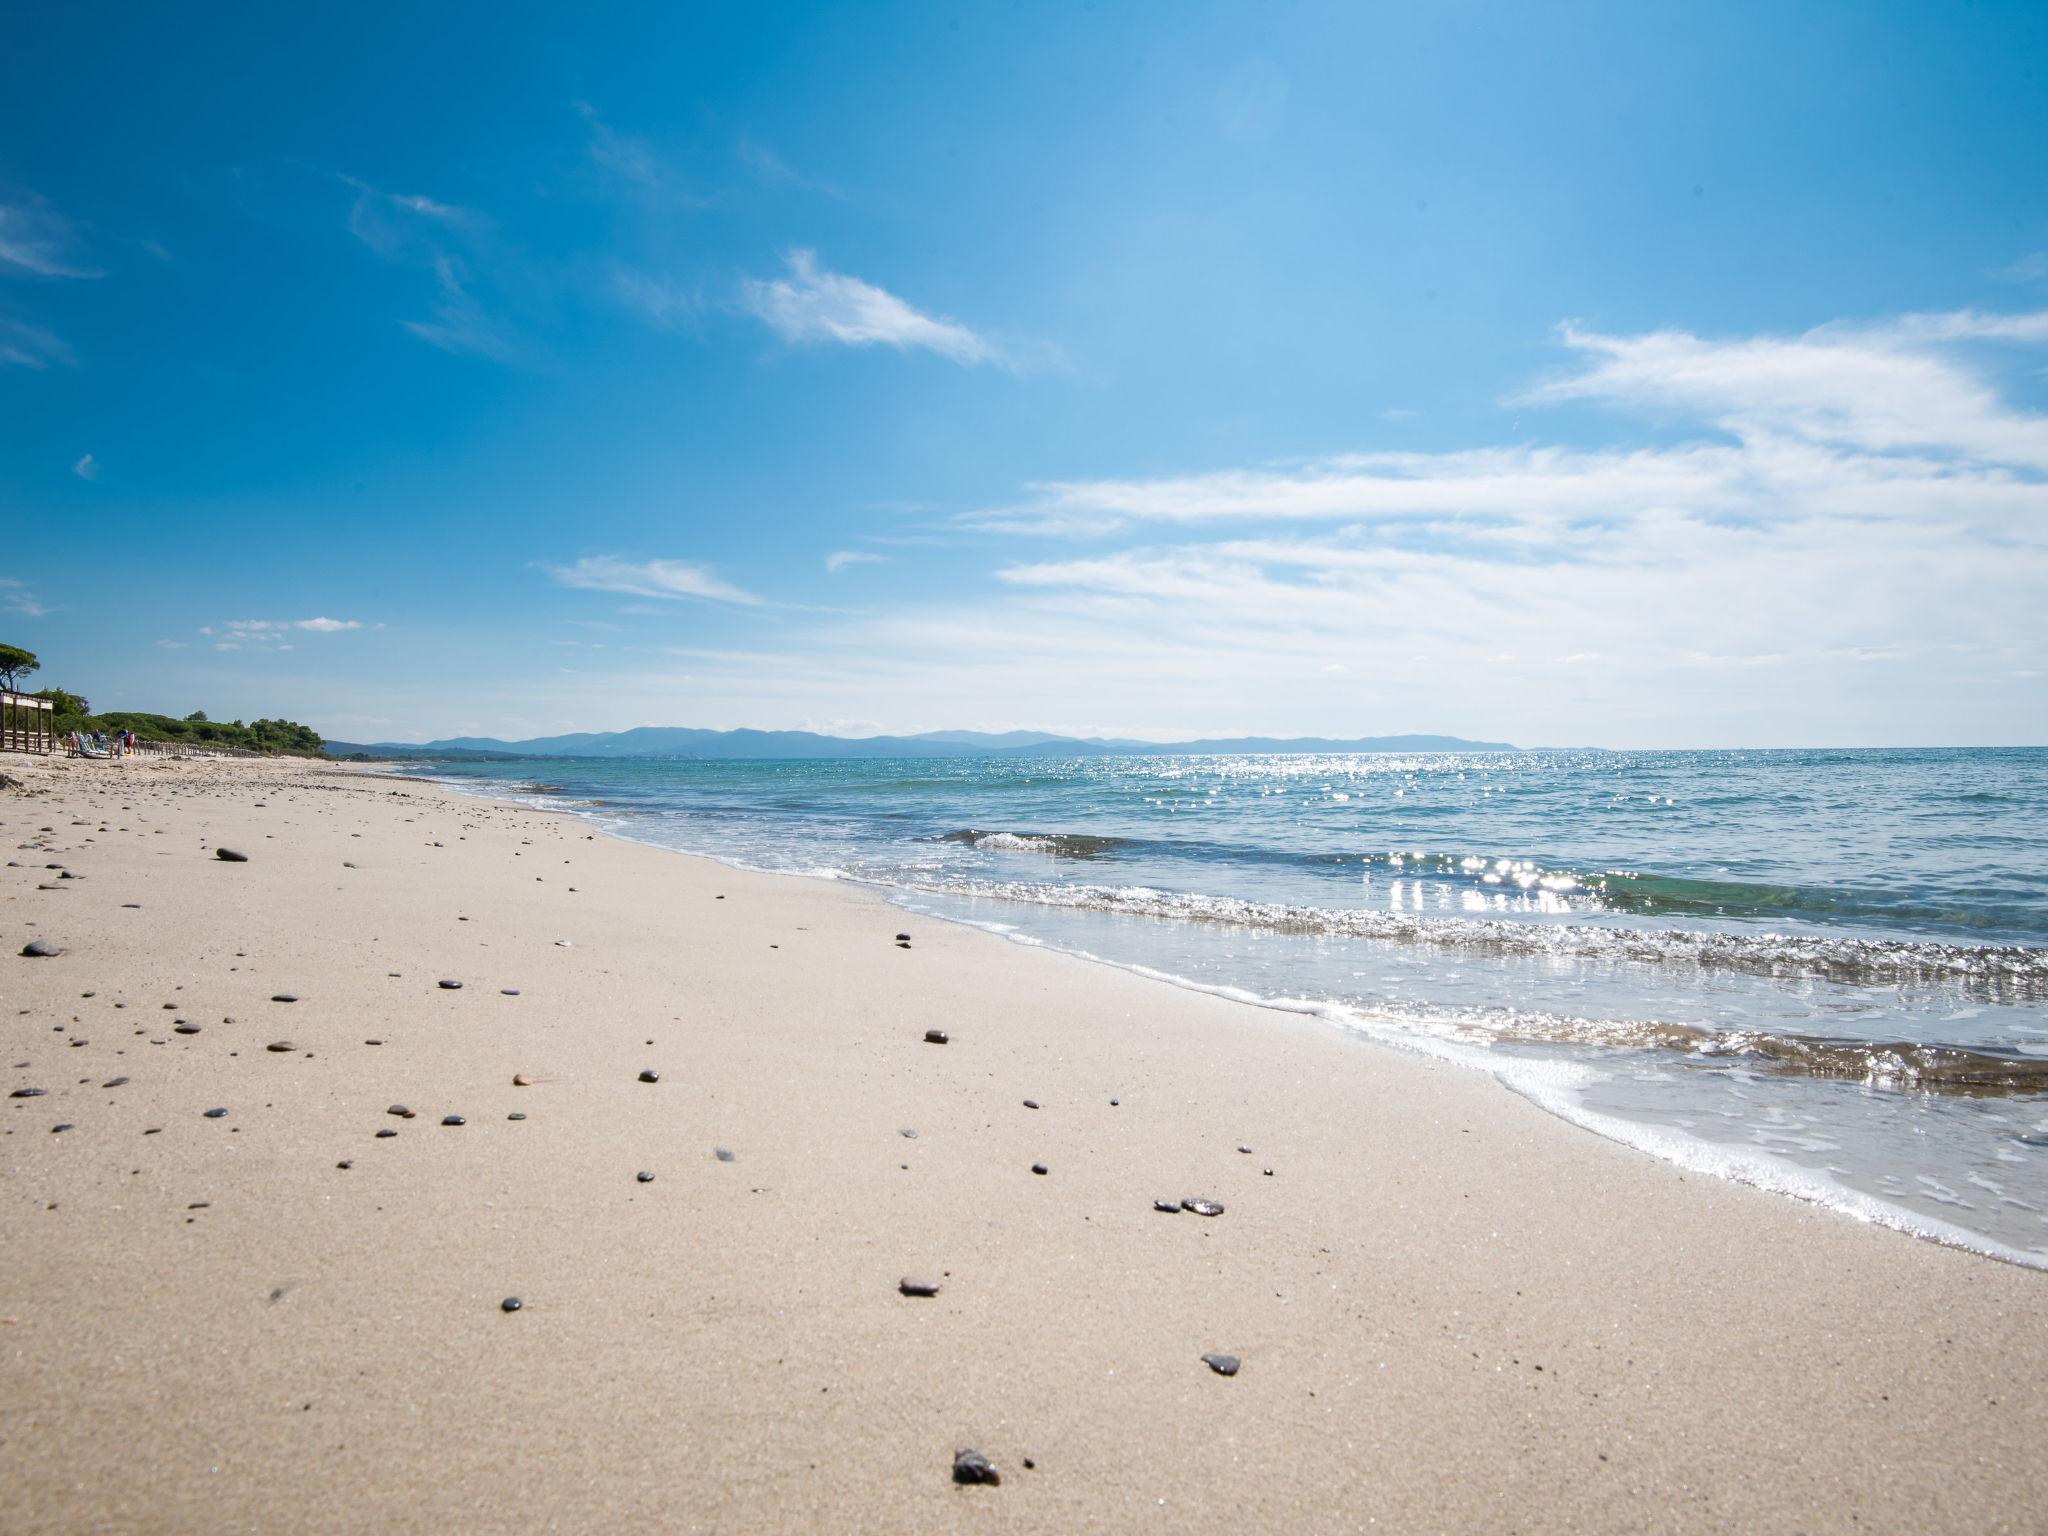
[969,1467]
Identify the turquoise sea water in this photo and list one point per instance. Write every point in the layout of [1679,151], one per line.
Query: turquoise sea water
[1825,972]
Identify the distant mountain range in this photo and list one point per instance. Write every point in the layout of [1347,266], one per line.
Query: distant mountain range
[685,742]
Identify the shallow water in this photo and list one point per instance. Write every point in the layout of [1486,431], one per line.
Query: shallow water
[1825,972]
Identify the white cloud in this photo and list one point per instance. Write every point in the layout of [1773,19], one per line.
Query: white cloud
[174,645]
[87,467]
[813,305]
[648,578]
[30,346]
[414,230]
[268,634]
[1882,389]
[840,559]
[33,239]
[459,323]
[15,597]
[657,300]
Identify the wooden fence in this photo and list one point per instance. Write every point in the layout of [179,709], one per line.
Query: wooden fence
[27,724]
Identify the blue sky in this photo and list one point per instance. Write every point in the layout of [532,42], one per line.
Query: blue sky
[1613,374]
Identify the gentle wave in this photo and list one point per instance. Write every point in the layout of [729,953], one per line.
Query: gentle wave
[1066,845]
[2005,973]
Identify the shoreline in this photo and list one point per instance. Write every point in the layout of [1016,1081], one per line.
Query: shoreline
[1693,1154]
[1453,1308]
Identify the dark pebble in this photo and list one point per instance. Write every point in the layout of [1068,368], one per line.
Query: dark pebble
[910,1135]
[280,1046]
[344,1163]
[516,1115]
[1038,1168]
[1222,1365]
[721,1154]
[450,985]
[229,856]
[216,1114]
[1203,1207]
[508,991]
[39,949]
[399,1110]
[387,1131]
[1245,1150]
[936,1037]
[973,1467]
[114,1082]
[1170,1207]
[1031,1103]
[1269,1173]
[644,1177]
[28,1093]
[66,1126]
[184,1029]
[650,1076]
[911,1286]
[510,1304]
[453,1120]
[902,938]
[284,997]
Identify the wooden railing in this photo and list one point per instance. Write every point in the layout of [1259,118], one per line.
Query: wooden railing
[27,724]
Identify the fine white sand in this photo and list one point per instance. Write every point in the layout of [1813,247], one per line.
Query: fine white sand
[1453,1311]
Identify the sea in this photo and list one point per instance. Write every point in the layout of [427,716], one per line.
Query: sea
[1824,973]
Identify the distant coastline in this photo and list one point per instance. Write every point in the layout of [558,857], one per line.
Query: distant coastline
[688,742]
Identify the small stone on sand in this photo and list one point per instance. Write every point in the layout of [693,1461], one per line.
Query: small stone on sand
[1203,1207]
[453,1120]
[521,1080]
[936,1037]
[387,1131]
[229,856]
[1222,1365]
[284,997]
[510,1304]
[184,1029]
[1038,1168]
[1170,1207]
[973,1467]
[399,1110]
[650,1076]
[449,984]
[39,949]
[644,1177]
[911,1286]
[280,1046]
[721,1154]
[28,1093]
[216,1114]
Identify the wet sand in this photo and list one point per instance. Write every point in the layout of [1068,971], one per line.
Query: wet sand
[1451,1310]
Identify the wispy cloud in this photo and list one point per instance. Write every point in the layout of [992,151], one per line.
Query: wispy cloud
[840,559]
[87,467]
[659,301]
[30,346]
[37,240]
[635,163]
[269,634]
[411,229]
[771,169]
[460,323]
[174,645]
[649,578]
[15,597]
[813,306]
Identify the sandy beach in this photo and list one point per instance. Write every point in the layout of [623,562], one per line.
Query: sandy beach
[1451,1310]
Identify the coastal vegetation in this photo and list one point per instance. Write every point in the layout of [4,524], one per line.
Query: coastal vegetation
[74,712]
